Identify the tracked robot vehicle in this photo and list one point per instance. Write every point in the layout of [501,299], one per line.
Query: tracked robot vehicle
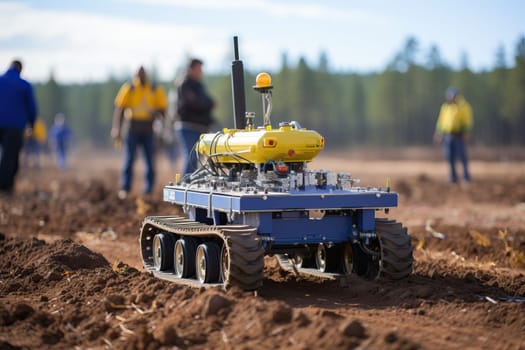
[254,196]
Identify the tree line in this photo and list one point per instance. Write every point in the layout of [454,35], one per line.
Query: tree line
[397,106]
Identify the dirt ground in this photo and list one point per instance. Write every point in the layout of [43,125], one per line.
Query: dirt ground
[71,277]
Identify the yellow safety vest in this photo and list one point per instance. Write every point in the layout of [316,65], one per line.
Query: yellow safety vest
[455,117]
[139,100]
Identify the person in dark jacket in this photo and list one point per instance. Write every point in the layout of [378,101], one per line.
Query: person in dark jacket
[17,111]
[194,107]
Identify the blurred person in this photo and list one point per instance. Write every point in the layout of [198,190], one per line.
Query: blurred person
[194,107]
[169,136]
[137,104]
[452,130]
[35,142]
[61,137]
[18,110]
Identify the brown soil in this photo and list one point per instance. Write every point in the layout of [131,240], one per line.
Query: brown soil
[70,271]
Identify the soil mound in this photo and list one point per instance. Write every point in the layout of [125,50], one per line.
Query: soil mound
[70,296]
[61,293]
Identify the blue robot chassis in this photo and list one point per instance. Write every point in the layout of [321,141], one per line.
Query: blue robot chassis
[297,217]
[323,229]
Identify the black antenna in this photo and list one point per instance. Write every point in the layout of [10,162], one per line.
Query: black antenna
[239,99]
[236,48]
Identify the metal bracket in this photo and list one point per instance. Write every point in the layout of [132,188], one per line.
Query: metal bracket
[231,215]
[210,209]
[185,204]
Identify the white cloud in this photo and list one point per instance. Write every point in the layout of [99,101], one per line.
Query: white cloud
[274,8]
[86,46]
[81,45]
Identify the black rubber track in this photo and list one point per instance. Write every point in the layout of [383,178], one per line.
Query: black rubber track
[243,247]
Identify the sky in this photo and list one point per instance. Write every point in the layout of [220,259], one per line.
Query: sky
[89,40]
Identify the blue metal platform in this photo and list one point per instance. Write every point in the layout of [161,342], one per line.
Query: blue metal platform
[241,202]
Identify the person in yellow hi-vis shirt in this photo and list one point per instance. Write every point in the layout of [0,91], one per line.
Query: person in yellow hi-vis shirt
[137,104]
[452,129]
[35,141]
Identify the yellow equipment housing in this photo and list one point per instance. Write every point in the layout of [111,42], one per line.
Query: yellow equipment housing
[287,144]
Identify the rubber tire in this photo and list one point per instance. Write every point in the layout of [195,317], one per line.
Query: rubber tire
[363,264]
[396,250]
[246,260]
[211,255]
[189,249]
[347,258]
[332,258]
[225,264]
[165,241]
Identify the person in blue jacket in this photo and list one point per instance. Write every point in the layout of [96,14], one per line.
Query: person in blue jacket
[17,111]
[61,136]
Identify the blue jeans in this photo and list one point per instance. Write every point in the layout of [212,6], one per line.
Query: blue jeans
[133,141]
[454,147]
[11,141]
[61,152]
[188,138]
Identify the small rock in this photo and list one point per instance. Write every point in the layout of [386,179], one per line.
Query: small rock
[52,336]
[391,337]
[53,275]
[214,304]
[187,294]
[424,292]
[321,333]
[101,281]
[96,330]
[36,277]
[166,334]
[35,242]
[353,328]
[113,334]
[5,318]
[42,319]
[282,314]
[302,320]
[22,311]
[144,298]
[12,287]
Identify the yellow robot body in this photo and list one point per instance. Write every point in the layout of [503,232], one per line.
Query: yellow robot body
[287,144]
